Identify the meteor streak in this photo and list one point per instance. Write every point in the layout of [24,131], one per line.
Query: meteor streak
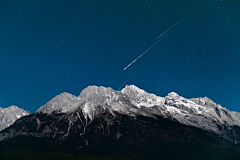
[163,35]
[159,38]
[144,52]
[179,21]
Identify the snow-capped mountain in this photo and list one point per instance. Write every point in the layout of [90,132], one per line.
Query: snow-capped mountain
[89,100]
[9,115]
[104,119]
[199,112]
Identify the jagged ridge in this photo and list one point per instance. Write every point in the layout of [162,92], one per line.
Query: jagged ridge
[132,101]
[199,112]
[131,121]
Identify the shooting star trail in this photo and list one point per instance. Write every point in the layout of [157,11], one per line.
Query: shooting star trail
[144,52]
[164,34]
[180,20]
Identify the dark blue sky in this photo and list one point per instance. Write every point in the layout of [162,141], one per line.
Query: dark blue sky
[51,46]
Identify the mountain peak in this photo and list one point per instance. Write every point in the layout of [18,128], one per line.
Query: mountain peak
[65,94]
[140,97]
[13,106]
[61,102]
[90,91]
[173,94]
[205,102]
[133,88]
[9,115]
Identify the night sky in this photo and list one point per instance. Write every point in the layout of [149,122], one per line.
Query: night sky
[51,46]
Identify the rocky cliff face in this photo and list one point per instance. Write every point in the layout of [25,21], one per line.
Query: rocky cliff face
[9,115]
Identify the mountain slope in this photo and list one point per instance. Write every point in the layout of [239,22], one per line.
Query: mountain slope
[116,135]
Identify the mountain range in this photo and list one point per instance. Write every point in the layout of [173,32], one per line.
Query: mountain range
[130,123]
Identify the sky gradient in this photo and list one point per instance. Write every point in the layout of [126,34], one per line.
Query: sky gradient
[48,47]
